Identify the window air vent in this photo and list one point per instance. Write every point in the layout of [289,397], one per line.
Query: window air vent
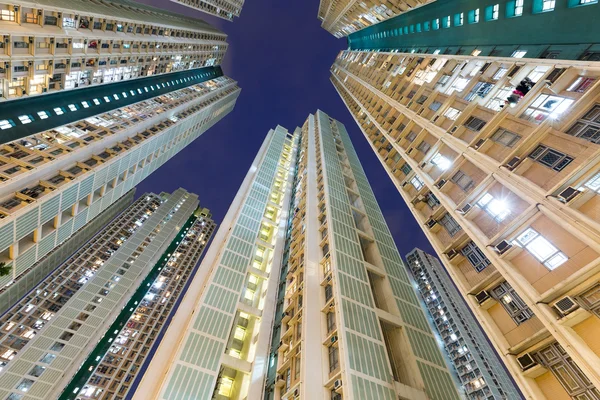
[568,194]
[526,361]
[566,305]
[502,247]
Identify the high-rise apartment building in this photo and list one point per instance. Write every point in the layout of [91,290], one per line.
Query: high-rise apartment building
[481,373]
[303,293]
[506,193]
[113,295]
[53,45]
[226,9]
[148,84]
[344,17]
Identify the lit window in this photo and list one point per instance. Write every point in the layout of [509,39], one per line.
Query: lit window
[106,99]
[146,89]
[581,84]
[500,73]
[6,124]
[116,96]
[139,91]
[594,183]
[440,161]
[124,94]
[546,106]
[451,113]
[226,387]
[25,119]
[417,182]
[498,209]
[96,101]
[25,385]
[132,92]
[541,249]
[43,114]
[548,5]
[85,104]
[518,8]
[72,107]
[476,16]
[239,333]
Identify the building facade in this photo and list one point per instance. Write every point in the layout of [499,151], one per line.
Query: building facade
[481,373]
[342,18]
[47,335]
[226,9]
[304,294]
[506,195]
[52,45]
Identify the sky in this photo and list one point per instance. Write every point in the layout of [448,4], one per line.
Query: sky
[281,57]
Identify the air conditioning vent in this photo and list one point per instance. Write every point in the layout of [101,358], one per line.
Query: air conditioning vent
[451,254]
[566,305]
[526,361]
[479,143]
[337,384]
[334,339]
[502,247]
[568,194]
[465,209]
[430,223]
[440,183]
[482,296]
[512,164]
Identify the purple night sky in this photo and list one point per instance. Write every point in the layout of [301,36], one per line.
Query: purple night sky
[280,56]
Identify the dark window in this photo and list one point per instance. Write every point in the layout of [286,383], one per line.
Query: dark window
[506,138]
[475,256]
[462,180]
[475,124]
[588,126]
[512,303]
[450,224]
[550,158]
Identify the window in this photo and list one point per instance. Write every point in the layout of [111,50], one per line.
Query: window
[480,89]
[334,359]
[491,12]
[458,85]
[106,99]
[96,101]
[462,180]
[423,147]
[459,19]
[475,256]
[452,113]
[85,104]
[518,8]
[431,200]
[25,385]
[417,182]
[505,138]
[25,119]
[6,15]
[72,107]
[512,303]
[475,124]
[550,158]
[591,299]
[498,209]
[541,249]
[405,168]
[50,20]
[581,84]
[546,106]
[68,23]
[500,73]
[58,111]
[43,114]
[435,105]
[450,224]
[47,358]
[446,22]
[440,161]
[330,316]
[6,124]
[436,24]
[473,16]
[548,5]
[411,136]
[593,183]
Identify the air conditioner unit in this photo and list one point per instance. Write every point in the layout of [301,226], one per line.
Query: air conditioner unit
[465,209]
[568,194]
[334,339]
[451,254]
[430,223]
[482,296]
[526,361]
[440,183]
[479,143]
[512,164]
[502,247]
[337,384]
[566,305]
